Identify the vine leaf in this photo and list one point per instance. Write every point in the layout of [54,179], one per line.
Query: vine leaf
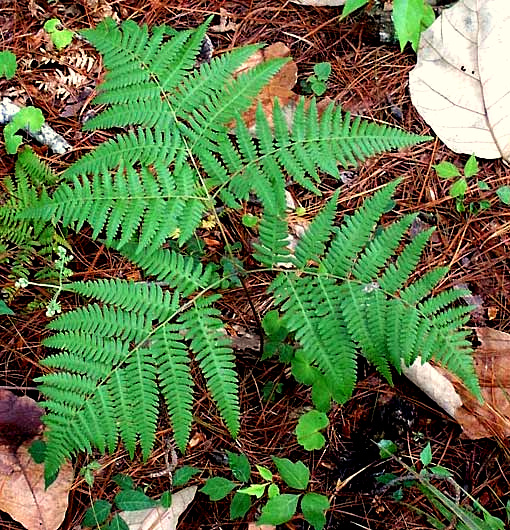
[459,84]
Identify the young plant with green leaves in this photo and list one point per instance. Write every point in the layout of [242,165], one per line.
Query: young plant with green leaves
[410,17]
[316,83]
[279,508]
[145,193]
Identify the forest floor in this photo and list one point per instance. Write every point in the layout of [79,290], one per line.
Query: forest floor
[370,79]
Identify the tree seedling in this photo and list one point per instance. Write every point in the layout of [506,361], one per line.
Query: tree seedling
[27,118]
[60,37]
[8,64]
[279,507]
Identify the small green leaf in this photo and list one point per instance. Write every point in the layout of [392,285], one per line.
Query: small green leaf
[249,220]
[314,507]
[504,194]
[446,170]
[132,500]
[97,513]
[124,482]
[264,472]
[319,87]
[37,451]
[273,490]
[471,167]
[300,211]
[426,455]
[484,204]
[386,448]
[256,490]
[303,370]
[427,17]
[407,19]
[308,427]
[7,64]
[279,510]
[166,499]
[352,5]
[322,71]
[240,466]
[217,488]
[239,505]
[5,309]
[483,186]
[27,117]
[398,495]
[386,478]
[117,523]
[60,37]
[294,474]
[441,471]
[183,474]
[459,188]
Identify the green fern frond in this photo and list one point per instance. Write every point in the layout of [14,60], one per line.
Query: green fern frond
[213,352]
[273,247]
[172,268]
[115,358]
[365,301]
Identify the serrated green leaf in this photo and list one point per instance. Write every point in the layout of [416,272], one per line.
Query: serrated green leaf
[27,117]
[132,500]
[183,474]
[239,505]
[264,472]
[321,394]
[217,488]
[240,466]
[279,509]
[302,369]
[97,513]
[386,448]
[426,455]
[59,36]
[294,474]
[504,194]
[386,478]
[256,490]
[314,506]
[308,427]
[8,64]
[459,188]
[483,186]
[352,5]
[471,167]
[322,71]
[318,87]
[446,170]
[124,482]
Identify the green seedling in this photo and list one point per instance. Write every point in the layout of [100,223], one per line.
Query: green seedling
[279,507]
[316,83]
[60,36]
[27,118]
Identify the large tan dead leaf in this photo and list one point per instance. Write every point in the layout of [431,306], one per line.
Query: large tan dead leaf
[460,82]
[491,360]
[158,518]
[22,493]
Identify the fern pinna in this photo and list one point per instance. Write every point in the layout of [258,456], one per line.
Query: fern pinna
[348,295]
[181,158]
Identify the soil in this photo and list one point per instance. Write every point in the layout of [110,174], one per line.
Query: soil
[368,78]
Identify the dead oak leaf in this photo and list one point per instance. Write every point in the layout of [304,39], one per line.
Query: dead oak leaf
[20,419]
[23,495]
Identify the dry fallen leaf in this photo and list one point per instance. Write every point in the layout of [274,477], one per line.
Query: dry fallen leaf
[491,360]
[22,489]
[460,82]
[159,518]
[319,3]
[280,86]
[254,526]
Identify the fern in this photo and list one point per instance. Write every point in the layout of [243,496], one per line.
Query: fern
[346,295]
[113,358]
[145,192]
